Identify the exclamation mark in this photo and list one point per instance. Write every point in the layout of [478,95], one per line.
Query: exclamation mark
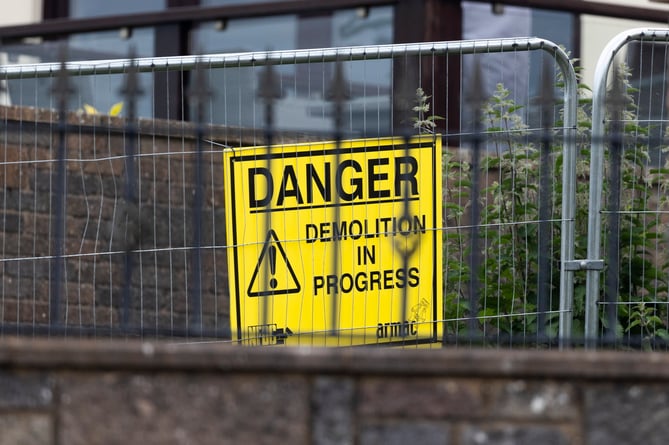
[271,251]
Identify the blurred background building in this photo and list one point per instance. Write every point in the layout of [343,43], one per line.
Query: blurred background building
[31,32]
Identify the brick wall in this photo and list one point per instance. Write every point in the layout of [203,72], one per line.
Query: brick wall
[109,393]
[100,224]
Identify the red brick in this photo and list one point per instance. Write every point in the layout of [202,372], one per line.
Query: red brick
[24,310]
[16,168]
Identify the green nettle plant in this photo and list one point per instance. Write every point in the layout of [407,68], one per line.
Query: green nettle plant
[424,121]
[509,234]
[510,183]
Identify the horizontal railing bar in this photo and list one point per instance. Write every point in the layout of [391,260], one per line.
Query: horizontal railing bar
[251,59]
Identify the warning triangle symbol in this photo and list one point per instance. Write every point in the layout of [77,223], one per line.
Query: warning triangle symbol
[273,274]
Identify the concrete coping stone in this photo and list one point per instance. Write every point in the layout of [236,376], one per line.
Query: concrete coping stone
[226,357]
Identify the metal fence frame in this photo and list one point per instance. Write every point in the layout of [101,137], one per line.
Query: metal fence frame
[567,265]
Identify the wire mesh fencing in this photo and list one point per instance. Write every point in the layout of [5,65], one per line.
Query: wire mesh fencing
[399,195]
[626,302]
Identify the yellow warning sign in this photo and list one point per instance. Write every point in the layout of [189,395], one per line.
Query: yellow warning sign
[335,244]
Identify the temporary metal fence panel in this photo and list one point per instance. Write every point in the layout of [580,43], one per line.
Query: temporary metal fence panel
[627,229]
[116,226]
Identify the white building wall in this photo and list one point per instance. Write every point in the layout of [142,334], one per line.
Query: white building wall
[596,31]
[20,12]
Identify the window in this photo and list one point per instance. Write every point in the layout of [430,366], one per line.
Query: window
[481,21]
[97,8]
[304,87]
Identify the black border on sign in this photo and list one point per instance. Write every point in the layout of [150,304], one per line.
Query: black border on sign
[435,234]
[399,145]
[234,243]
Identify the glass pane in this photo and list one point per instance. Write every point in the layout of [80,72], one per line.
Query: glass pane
[97,8]
[481,22]
[557,27]
[303,104]
[109,45]
[272,33]
[100,91]
[350,28]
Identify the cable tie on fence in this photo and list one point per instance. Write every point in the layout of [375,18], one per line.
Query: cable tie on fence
[219,144]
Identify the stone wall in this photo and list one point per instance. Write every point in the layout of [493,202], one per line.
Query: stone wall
[109,393]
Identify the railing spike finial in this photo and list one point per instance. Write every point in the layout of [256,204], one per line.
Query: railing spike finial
[546,99]
[617,98]
[477,100]
[338,94]
[404,97]
[338,91]
[546,103]
[62,88]
[269,90]
[132,231]
[617,101]
[199,90]
[199,93]
[476,96]
[132,87]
